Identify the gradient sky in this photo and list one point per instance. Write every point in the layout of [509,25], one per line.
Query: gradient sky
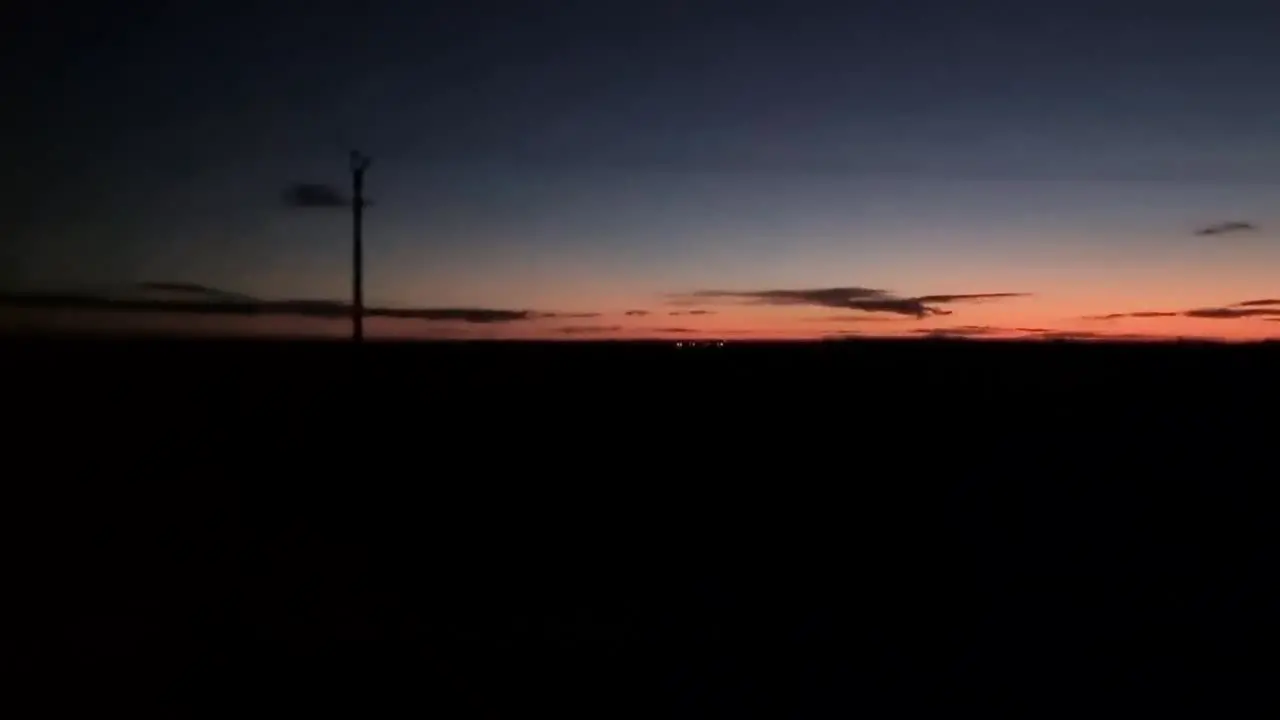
[602,157]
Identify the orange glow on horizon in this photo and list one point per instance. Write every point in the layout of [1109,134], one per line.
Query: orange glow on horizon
[990,321]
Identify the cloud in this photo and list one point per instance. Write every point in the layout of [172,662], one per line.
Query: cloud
[315,195]
[961,331]
[193,290]
[636,313]
[1247,309]
[1144,314]
[1070,335]
[990,333]
[968,297]
[692,312]
[826,297]
[1035,334]
[243,305]
[863,299]
[851,318]
[673,330]
[467,315]
[1085,335]
[1225,228]
[588,329]
[1230,313]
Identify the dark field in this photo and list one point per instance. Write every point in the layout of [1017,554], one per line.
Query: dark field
[749,531]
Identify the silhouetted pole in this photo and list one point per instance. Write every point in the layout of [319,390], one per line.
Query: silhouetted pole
[359,164]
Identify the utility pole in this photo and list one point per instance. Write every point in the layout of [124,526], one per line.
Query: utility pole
[359,164]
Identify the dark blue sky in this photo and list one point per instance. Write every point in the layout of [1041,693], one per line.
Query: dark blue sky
[602,153]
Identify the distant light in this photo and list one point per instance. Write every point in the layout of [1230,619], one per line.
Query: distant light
[679,344]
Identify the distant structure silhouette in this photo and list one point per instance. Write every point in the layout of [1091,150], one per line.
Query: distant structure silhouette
[319,195]
[359,164]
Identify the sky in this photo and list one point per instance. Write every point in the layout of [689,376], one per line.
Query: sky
[603,170]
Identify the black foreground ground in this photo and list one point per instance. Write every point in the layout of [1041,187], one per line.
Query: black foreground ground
[782,531]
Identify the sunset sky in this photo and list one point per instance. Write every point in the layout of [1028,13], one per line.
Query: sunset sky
[657,169]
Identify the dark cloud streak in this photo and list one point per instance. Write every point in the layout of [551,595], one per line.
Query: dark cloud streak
[314,195]
[588,329]
[194,290]
[851,318]
[1238,311]
[1225,228]
[961,331]
[869,300]
[1230,313]
[1143,314]
[242,307]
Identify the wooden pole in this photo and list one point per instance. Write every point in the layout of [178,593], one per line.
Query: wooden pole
[359,164]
